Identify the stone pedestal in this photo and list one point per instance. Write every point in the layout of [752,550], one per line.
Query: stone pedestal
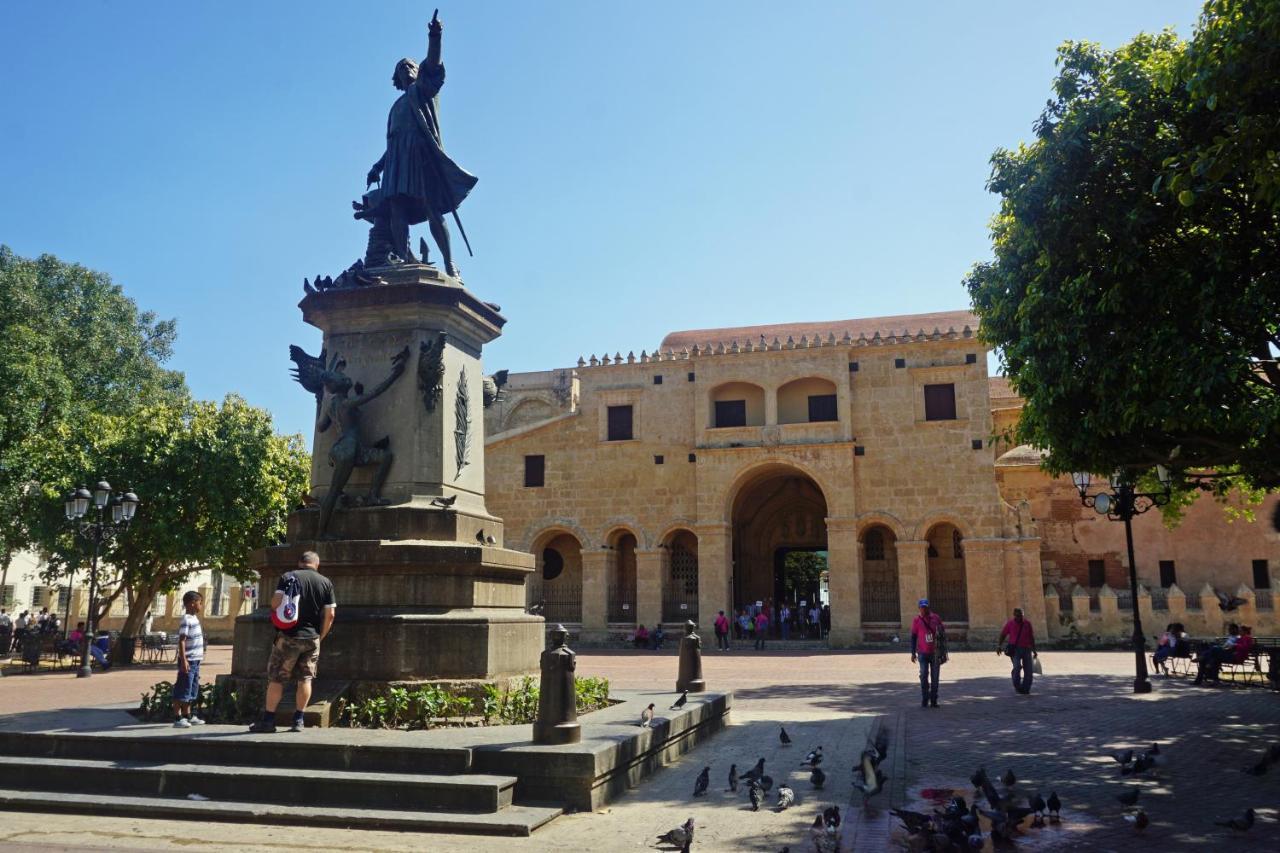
[425,592]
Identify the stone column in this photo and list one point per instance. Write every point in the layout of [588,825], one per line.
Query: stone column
[1247,613]
[1029,577]
[1177,604]
[649,587]
[1080,608]
[844,564]
[770,406]
[595,610]
[984,575]
[237,601]
[913,577]
[1109,615]
[1146,612]
[714,572]
[1214,621]
[1052,606]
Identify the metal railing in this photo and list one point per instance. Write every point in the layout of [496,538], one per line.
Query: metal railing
[1262,599]
[561,601]
[1160,598]
[949,600]
[1124,599]
[880,602]
[622,604]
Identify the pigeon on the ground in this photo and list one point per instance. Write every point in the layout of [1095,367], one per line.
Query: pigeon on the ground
[1008,779]
[1242,823]
[783,736]
[679,703]
[756,794]
[733,778]
[681,836]
[823,836]
[915,822]
[1054,805]
[1123,758]
[814,758]
[870,780]
[817,778]
[1128,798]
[831,816]
[786,797]
[764,783]
[1138,820]
[646,717]
[1037,803]
[704,779]
[755,772]
[1155,749]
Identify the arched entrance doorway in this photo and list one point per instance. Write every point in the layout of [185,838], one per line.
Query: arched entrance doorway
[780,544]
[948,590]
[880,607]
[622,578]
[557,583]
[680,577]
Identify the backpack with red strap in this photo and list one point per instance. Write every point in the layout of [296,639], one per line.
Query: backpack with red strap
[285,616]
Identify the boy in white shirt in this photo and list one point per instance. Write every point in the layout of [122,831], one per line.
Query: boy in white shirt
[186,688]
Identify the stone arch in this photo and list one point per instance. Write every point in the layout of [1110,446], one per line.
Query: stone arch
[528,411]
[948,581]
[752,395]
[931,520]
[680,578]
[888,519]
[544,526]
[763,468]
[793,397]
[880,580]
[619,524]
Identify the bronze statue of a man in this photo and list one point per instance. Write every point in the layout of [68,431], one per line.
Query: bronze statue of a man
[350,451]
[420,183]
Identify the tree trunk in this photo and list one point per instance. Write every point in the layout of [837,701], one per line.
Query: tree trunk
[139,604]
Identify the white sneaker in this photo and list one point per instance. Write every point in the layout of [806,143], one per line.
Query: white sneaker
[182,723]
[195,721]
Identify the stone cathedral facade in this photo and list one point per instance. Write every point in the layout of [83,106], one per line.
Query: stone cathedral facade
[677,483]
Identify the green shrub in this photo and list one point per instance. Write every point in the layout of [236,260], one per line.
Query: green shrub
[424,707]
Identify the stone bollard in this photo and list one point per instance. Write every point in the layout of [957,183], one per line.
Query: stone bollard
[690,677]
[557,720]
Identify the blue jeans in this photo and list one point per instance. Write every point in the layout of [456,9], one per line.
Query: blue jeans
[187,685]
[1021,661]
[930,666]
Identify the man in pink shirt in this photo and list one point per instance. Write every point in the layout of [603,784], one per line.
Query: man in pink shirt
[1022,648]
[928,648]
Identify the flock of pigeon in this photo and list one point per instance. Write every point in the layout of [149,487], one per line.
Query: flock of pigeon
[759,786]
[958,826]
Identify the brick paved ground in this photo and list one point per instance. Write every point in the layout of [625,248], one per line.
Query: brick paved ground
[1057,739]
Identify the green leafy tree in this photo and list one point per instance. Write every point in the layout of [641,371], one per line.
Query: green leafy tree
[216,482]
[1134,297]
[802,569]
[71,345]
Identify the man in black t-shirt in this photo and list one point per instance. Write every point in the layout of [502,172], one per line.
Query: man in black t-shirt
[296,650]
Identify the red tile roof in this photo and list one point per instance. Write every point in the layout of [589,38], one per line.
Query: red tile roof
[868,326]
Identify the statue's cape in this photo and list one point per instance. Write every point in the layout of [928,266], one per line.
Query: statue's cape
[456,181]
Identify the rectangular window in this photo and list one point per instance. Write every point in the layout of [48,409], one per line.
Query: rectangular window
[1097,574]
[620,423]
[1168,573]
[822,407]
[1261,575]
[535,471]
[6,595]
[38,594]
[940,402]
[658,460]
[731,413]
[64,597]
[657,380]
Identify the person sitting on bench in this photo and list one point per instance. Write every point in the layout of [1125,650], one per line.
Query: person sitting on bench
[1235,649]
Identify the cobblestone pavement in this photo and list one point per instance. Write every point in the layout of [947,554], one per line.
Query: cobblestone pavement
[1056,739]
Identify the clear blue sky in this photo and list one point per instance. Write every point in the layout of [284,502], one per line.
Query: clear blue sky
[643,167]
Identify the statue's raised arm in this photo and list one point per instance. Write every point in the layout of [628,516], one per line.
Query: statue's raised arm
[433,40]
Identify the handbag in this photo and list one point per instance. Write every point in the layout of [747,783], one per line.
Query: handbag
[1036,668]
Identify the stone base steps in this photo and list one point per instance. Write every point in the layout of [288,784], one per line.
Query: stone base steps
[513,820]
[472,792]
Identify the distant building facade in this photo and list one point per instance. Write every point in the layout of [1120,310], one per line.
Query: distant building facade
[673,485]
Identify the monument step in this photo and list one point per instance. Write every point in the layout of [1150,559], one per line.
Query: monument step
[472,793]
[511,821]
[233,745]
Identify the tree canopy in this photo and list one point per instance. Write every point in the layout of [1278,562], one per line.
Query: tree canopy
[71,345]
[215,481]
[1134,299]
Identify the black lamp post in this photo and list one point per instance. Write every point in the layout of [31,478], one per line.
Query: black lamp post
[1122,504]
[104,530]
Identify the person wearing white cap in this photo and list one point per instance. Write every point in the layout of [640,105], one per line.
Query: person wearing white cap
[928,648]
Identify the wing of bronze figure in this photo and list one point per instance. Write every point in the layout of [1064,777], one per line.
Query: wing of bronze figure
[308,371]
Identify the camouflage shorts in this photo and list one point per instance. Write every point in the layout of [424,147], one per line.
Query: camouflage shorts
[293,658]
